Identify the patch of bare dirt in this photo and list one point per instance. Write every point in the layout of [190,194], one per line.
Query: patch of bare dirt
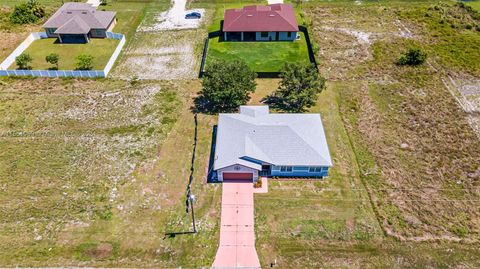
[174,19]
[345,40]
[9,43]
[164,55]
[466,91]
[102,251]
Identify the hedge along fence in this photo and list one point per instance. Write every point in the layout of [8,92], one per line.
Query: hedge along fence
[58,73]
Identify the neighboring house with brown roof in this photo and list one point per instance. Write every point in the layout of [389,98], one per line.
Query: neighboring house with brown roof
[78,22]
[275,22]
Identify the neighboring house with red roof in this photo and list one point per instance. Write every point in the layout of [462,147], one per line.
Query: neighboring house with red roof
[275,22]
[78,22]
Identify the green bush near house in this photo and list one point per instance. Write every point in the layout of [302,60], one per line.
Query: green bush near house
[298,89]
[28,12]
[102,49]
[53,58]
[412,57]
[23,61]
[226,86]
[84,62]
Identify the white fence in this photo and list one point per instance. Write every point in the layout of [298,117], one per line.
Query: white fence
[58,73]
[21,48]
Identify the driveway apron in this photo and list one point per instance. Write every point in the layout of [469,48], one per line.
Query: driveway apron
[237,235]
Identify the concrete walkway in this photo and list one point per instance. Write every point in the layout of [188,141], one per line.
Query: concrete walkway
[237,236]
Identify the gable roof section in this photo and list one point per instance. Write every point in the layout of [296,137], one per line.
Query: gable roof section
[74,26]
[83,15]
[271,18]
[278,139]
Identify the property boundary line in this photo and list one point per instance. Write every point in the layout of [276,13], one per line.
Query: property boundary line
[303,29]
[59,73]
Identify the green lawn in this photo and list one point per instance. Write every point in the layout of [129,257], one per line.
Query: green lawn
[474,4]
[260,56]
[100,49]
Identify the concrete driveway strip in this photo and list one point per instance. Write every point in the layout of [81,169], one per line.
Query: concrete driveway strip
[237,235]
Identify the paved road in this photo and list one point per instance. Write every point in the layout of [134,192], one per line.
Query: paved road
[237,236]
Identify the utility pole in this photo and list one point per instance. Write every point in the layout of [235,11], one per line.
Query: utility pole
[189,204]
[192,200]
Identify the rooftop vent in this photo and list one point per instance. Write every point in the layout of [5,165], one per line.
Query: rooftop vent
[254,111]
[272,15]
[249,15]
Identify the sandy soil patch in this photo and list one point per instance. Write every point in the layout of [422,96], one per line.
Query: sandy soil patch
[467,93]
[345,41]
[164,55]
[174,19]
[164,48]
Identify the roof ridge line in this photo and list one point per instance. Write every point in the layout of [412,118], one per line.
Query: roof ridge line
[260,149]
[288,22]
[308,144]
[233,20]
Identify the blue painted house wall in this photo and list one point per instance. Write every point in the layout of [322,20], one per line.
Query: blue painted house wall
[299,171]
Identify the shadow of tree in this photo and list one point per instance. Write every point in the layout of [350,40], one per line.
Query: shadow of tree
[204,106]
[276,103]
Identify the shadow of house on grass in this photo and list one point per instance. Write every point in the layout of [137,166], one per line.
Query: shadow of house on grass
[212,175]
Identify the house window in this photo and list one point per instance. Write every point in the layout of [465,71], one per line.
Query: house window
[264,34]
[285,169]
[315,169]
[289,34]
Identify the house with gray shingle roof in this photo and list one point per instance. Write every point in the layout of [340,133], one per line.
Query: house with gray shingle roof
[78,22]
[256,142]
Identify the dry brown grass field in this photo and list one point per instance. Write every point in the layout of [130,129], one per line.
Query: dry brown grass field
[93,172]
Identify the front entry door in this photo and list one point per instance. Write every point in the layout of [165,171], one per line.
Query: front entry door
[265,170]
